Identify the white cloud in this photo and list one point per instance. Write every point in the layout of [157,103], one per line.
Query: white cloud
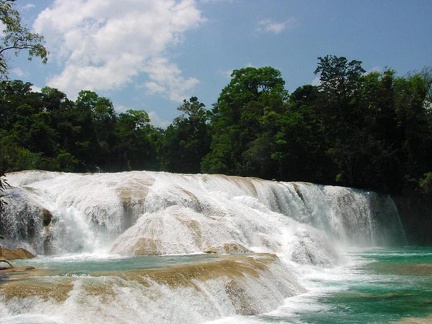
[19,72]
[268,25]
[316,81]
[216,1]
[166,78]
[156,121]
[28,6]
[226,73]
[105,44]
[36,88]
[375,69]
[120,108]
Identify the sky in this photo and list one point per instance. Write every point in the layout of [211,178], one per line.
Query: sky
[151,54]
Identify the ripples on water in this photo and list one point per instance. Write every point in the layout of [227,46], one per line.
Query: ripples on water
[377,286]
[146,213]
[380,286]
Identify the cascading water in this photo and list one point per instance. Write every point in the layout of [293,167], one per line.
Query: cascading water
[272,230]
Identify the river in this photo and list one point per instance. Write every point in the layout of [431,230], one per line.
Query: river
[148,247]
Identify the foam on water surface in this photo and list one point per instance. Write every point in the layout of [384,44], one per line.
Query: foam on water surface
[109,218]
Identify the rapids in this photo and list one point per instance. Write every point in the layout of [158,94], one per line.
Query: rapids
[264,235]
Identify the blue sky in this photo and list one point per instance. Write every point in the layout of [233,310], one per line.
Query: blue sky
[151,54]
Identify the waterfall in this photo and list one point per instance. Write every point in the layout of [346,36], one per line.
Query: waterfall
[133,213]
[265,234]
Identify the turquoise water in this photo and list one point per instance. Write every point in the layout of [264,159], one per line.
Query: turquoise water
[387,286]
[81,264]
[379,285]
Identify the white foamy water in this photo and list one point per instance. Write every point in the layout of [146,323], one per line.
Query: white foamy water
[127,214]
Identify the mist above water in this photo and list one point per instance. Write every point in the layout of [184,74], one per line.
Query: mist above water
[301,227]
[141,213]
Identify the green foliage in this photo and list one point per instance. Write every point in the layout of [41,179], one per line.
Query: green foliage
[239,123]
[426,183]
[339,78]
[16,37]
[135,147]
[48,131]
[366,130]
[187,140]
[378,125]
[302,144]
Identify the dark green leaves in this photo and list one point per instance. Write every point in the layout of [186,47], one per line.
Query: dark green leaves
[241,131]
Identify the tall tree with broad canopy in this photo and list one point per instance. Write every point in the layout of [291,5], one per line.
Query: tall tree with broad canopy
[300,141]
[187,140]
[341,114]
[240,143]
[102,119]
[339,79]
[136,142]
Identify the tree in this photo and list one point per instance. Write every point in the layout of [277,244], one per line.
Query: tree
[135,148]
[413,110]
[378,144]
[342,115]
[103,121]
[16,37]
[30,138]
[237,122]
[187,140]
[301,142]
[12,95]
[339,79]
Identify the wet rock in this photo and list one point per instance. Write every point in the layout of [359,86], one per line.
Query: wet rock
[5,261]
[146,246]
[46,216]
[228,248]
[14,254]
[240,298]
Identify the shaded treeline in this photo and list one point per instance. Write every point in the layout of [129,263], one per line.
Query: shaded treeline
[367,130]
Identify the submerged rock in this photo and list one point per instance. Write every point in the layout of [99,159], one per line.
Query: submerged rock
[228,248]
[46,216]
[12,269]
[7,262]
[22,289]
[241,284]
[14,254]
